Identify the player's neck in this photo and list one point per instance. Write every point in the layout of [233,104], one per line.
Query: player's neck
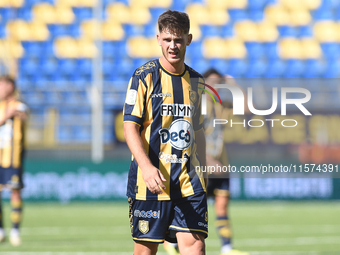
[177,69]
[9,98]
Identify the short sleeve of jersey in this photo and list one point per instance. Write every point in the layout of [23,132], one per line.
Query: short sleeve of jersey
[21,107]
[198,117]
[135,101]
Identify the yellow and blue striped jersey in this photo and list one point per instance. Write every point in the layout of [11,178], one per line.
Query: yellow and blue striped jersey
[11,137]
[166,106]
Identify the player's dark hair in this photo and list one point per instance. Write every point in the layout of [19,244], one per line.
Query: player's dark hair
[8,79]
[174,21]
[210,72]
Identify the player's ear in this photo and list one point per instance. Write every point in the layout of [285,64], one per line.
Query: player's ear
[159,39]
[189,39]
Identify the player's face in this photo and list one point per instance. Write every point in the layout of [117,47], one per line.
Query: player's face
[213,79]
[174,46]
[6,89]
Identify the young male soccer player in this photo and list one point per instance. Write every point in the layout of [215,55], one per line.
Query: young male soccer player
[218,185]
[13,114]
[163,128]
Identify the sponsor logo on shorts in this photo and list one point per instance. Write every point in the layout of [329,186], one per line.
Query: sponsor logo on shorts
[147,214]
[143,226]
[180,110]
[201,224]
[172,158]
[179,134]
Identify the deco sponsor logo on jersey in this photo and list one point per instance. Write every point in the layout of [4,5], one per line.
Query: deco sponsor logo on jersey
[147,214]
[179,134]
[172,158]
[179,110]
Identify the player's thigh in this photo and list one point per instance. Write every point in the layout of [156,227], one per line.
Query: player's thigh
[221,193]
[145,248]
[191,243]
[221,205]
[191,215]
[16,194]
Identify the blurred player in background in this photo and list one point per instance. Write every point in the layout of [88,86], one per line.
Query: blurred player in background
[218,185]
[13,114]
[163,128]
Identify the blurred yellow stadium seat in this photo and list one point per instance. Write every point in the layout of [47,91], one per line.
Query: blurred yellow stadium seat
[113,31]
[290,48]
[277,14]
[67,3]
[11,47]
[140,4]
[118,12]
[44,12]
[300,17]
[310,49]
[312,4]
[86,48]
[11,3]
[89,29]
[293,4]
[4,3]
[218,4]
[235,48]
[87,3]
[247,31]
[64,15]
[15,3]
[196,32]
[39,31]
[76,3]
[19,30]
[326,31]
[214,47]
[198,14]
[66,47]
[218,17]
[139,47]
[267,32]
[301,4]
[237,4]
[161,4]
[139,16]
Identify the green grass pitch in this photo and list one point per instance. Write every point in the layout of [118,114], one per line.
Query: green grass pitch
[262,228]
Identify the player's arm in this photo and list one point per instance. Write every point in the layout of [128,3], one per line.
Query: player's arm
[19,111]
[201,151]
[211,161]
[152,176]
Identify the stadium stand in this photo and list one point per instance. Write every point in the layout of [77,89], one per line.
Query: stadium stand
[53,43]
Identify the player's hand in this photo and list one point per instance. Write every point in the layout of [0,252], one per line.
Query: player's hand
[10,113]
[213,162]
[154,179]
[21,115]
